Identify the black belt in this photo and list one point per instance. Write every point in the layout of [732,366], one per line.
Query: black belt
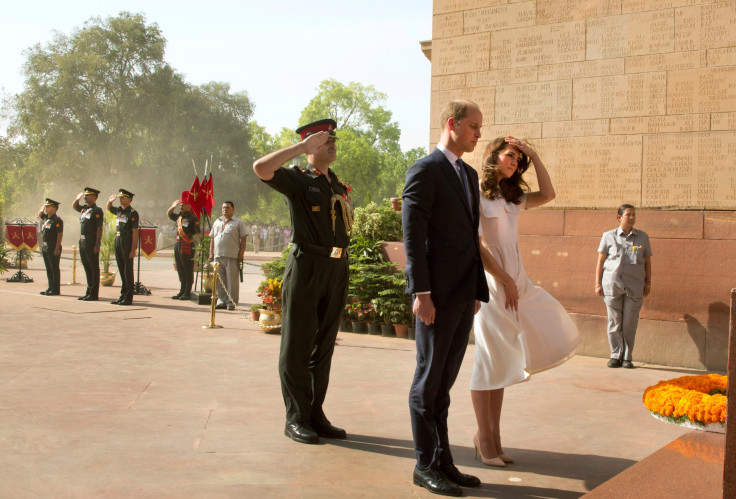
[330,251]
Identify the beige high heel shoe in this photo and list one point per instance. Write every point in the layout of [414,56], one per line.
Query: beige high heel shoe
[493,461]
[506,458]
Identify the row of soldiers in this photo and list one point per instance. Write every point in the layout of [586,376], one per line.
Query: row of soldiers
[91,219]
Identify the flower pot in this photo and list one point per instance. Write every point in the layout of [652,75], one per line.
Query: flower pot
[401,330]
[396,204]
[107,278]
[374,328]
[270,321]
[387,330]
[207,281]
[360,327]
[345,326]
[412,332]
[254,315]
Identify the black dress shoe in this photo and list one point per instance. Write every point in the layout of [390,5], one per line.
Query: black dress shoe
[90,298]
[82,298]
[614,363]
[176,296]
[44,292]
[627,364]
[52,293]
[231,307]
[116,302]
[125,302]
[301,433]
[325,429]
[220,306]
[454,475]
[435,482]
[186,296]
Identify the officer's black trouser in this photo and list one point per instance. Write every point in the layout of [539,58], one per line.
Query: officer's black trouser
[91,263]
[314,292]
[184,266]
[53,273]
[125,266]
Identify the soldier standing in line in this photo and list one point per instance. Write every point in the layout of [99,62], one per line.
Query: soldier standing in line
[126,243]
[91,220]
[316,278]
[52,232]
[187,227]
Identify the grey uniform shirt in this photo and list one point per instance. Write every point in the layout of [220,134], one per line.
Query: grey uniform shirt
[623,269]
[226,237]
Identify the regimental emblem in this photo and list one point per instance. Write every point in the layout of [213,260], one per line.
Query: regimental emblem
[315,208]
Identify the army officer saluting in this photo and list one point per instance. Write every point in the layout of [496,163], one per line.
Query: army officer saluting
[91,218]
[52,231]
[126,242]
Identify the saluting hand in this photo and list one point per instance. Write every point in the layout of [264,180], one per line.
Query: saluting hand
[79,196]
[175,203]
[313,142]
[112,198]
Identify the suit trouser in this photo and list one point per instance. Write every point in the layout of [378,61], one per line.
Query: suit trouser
[313,295]
[91,263]
[184,266]
[440,351]
[623,318]
[229,271]
[125,266]
[53,272]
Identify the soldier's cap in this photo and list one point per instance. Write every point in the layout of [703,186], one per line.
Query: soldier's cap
[51,202]
[125,194]
[186,198]
[89,190]
[326,125]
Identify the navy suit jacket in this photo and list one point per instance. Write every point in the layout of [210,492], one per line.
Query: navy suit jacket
[441,232]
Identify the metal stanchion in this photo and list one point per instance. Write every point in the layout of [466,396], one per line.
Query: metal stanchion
[212,324]
[74,265]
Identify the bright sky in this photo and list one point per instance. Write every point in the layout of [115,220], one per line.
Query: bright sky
[278,51]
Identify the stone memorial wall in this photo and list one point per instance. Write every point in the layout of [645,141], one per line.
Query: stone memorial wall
[626,101]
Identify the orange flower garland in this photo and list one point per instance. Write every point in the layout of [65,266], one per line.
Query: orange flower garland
[700,399]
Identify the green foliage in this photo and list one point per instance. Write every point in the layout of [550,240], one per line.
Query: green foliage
[391,303]
[363,251]
[3,255]
[275,268]
[107,242]
[378,223]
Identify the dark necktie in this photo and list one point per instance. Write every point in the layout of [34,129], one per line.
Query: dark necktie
[464,181]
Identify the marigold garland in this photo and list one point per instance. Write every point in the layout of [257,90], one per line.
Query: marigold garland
[700,399]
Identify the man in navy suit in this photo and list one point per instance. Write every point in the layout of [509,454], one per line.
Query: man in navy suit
[445,274]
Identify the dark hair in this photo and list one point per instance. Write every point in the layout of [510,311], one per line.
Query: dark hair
[512,188]
[624,207]
[457,109]
[230,203]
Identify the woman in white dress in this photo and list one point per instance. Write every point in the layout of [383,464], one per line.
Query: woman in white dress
[522,329]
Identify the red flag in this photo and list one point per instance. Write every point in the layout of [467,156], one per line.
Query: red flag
[148,241]
[14,236]
[207,195]
[30,237]
[194,192]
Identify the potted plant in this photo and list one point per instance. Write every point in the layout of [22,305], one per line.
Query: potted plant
[255,311]
[270,314]
[107,250]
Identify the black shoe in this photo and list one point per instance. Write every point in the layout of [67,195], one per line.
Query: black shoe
[90,298]
[116,302]
[52,293]
[186,296]
[454,475]
[301,433]
[325,429]
[614,363]
[176,296]
[44,292]
[231,307]
[125,302]
[82,298]
[627,364]
[435,482]
[220,306]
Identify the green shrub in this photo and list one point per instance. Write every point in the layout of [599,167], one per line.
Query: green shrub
[377,223]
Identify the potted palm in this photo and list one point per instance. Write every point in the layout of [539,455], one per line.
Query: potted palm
[107,249]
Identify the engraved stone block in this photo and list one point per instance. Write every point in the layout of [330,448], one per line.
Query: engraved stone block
[499,17]
[484,97]
[722,57]
[448,82]
[519,130]
[461,54]
[617,96]
[701,90]
[583,69]
[545,44]
[581,128]
[661,124]
[693,171]
[705,26]
[447,25]
[723,121]
[687,29]
[630,34]
[502,77]
[444,6]
[525,102]
[556,11]
[666,62]
[629,6]
[593,172]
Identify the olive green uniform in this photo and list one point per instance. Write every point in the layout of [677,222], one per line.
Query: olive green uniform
[314,289]
[127,220]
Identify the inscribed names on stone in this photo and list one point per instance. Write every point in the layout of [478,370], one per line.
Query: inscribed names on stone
[701,90]
[661,124]
[445,6]
[448,82]
[461,54]
[667,62]
[618,96]
[447,25]
[556,11]
[723,121]
[583,69]
[705,26]
[519,130]
[543,44]
[579,128]
[630,34]
[629,6]
[499,17]
[502,77]
[722,57]
[542,101]
[693,171]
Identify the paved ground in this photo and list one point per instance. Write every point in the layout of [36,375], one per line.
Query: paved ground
[98,400]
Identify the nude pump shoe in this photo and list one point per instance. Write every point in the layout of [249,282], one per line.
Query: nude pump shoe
[494,461]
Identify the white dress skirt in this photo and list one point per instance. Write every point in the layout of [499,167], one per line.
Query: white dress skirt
[512,345]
